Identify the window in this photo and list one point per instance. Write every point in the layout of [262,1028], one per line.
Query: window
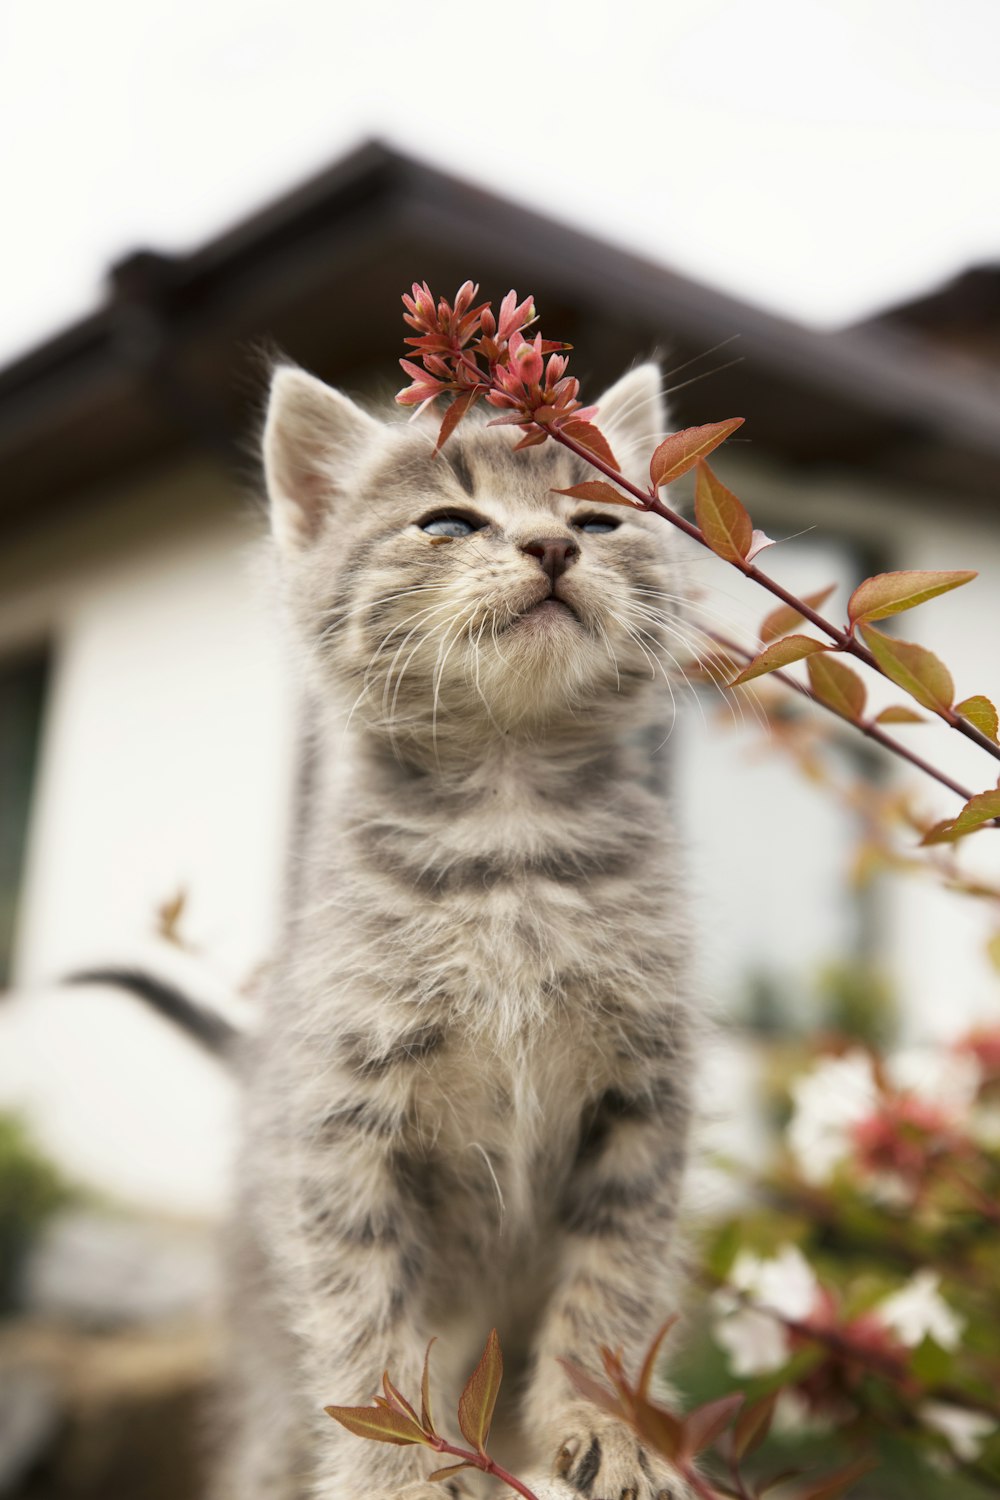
[22,695]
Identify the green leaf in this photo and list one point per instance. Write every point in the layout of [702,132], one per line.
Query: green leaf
[779,654]
[475,1408]
[377,1423]
[682,450]
[753,1425]
[890,593]
[898,713]
[724,521]
[981,715]
[600,491]
[980,809]
[780,621]
[837,685]
[922,674]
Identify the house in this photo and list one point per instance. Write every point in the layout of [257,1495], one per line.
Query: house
[146,716]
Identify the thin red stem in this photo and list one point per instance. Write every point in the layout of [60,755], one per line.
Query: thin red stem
[866,727]
[486,1464]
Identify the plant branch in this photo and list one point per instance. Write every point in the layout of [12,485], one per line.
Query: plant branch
[844,640]
[866,726]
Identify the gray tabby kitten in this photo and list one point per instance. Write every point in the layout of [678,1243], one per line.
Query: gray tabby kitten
[468,1104]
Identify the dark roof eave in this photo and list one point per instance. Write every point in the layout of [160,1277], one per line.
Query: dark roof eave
[152,369]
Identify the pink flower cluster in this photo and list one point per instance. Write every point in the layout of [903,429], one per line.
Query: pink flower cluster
[468,353]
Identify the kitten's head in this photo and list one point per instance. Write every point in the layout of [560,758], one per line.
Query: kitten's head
[445,599]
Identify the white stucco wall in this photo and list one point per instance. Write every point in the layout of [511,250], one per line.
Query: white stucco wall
[167,765]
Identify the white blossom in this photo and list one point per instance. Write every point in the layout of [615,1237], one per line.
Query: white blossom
[918,1310]
[755,1340]
[966,1431]
[840,1093]
[828,1102]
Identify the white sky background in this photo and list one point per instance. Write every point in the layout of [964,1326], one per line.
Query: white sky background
[819,157]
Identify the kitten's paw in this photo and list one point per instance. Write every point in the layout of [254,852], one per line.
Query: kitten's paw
[603,1460]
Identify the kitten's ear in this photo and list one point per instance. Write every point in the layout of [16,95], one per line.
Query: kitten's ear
[633,416]
[310,436]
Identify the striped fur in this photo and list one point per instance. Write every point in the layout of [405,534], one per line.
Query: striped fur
[468,1104]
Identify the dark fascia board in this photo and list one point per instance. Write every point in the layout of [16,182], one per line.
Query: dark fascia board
[106,395]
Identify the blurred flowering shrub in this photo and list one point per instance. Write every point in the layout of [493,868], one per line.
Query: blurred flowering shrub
[863,1284]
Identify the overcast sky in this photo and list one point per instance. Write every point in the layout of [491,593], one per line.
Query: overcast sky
[819,157]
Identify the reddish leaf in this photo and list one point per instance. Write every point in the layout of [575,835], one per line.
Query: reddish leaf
[703,1425]
[592,1390]
[475,1408]
[455,413]
[898,713]
[682,450]
[592,438]
[980,809]
[652,1354]
[659,1428]
[923,675]
[840,1480]
[531,439]
[426,1419]
[779,654]
[447,1472]
[780,621]
[753,1425]
[724,521]
[782,1477]
[837,685]
[397,1401]
[890,593]
[600,491]
[377,1423]
[981,715]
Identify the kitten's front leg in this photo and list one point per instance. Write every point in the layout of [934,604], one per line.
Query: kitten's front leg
[361,1201]
[616,1286]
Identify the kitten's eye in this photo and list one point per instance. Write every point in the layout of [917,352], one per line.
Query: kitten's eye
[597,525]
[450,525]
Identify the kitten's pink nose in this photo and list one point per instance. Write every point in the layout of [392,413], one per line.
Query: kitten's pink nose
[555,553]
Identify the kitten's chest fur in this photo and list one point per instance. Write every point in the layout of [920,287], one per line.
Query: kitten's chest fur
[484,954]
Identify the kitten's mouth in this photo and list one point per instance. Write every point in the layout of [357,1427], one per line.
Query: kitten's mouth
[549,606]
[546,609]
